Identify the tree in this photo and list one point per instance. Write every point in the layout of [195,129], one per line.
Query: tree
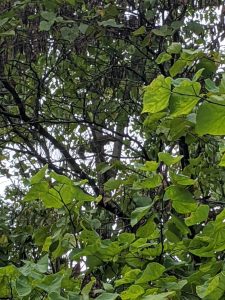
[112,133]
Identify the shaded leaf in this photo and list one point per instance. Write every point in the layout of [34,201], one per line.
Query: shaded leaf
[107,296]
[69,33]
[113,184]
[139,213]
[182,200]
[141,30]
[110,23]
[48,15]
[210,119]
[45,25]
[23,287]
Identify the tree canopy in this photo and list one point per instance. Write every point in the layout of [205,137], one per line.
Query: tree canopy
[112,133]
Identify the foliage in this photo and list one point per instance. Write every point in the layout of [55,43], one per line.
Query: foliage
[112,134]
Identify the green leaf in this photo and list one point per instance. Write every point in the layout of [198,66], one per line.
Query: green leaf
[112,184]
[182,200]
[208,288]
[150,166]
[209,66]
[110,23]
[152,272]
[83,28]
[222,161]
[39,175]
[138,214]
[180,225]
[65,193]
[174,48]
[8,33]
[140,31]
[45,25]
[51,283]
[184,98]
[10,271]
[72,2]
[69,33]
[150,183]
[23,287]
[195,27]
[133,292]
[128,277]
[198,74]
[177,24]
[168,159]
[198,216]
[146,230]
[181,179]
[163,57]
[222,84]
[40,235]
[211,86]
[36,191]
[178,67]
[210,119]
[87,288]
[42,264]
[152,119]
[107,296]
[102,168]
[163,31]
[161,296]
[157,94]
[126,237]
[48,15]
[142,200]
[61,178]
[3,21]
[56,296]
[47,244]
[81,196]
[51,201]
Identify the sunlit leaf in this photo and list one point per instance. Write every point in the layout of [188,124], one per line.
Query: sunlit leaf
[198,216]
[174,48]
[163,57]
[153,271]
[39,175]
[132,292]
[157,94]
[168,159]
[184,98]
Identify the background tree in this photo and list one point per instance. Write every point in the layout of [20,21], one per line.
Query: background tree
[121,105]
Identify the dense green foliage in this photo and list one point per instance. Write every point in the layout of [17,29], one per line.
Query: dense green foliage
[112,133]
